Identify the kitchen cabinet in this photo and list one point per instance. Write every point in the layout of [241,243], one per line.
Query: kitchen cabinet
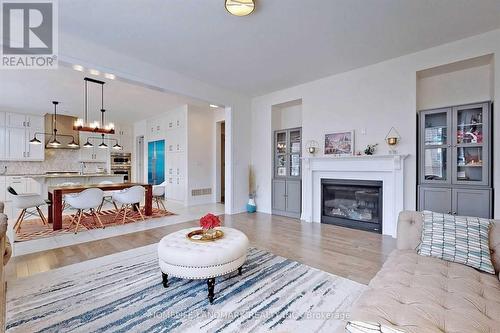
[16,120]
[175,188]
[156,129]
[16,131]
[93,154]
[124,135]
[3,143]
[16,143]
[455,155]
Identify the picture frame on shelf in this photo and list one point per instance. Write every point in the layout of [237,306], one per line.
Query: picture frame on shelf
[339,143]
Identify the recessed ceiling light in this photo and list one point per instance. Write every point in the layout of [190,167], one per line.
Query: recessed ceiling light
[94,72]
[214,106]
[78,68]
[240,7]
[109,76]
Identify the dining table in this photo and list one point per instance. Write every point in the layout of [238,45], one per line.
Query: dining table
[56,193]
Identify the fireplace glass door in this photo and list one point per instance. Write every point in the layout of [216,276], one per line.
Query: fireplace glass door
[355,204]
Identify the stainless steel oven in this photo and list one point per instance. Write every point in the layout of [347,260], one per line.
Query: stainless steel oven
[125,171]
[121,159]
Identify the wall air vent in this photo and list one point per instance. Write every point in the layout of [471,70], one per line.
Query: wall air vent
[201,191]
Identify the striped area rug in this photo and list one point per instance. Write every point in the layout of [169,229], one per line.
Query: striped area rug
[35,229]
[123,293]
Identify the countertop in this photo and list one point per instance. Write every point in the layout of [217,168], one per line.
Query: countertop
[63,175]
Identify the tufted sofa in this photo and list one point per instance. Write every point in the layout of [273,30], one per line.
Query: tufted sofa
[423,294]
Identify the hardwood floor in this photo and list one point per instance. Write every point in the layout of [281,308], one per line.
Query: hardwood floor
[356,255]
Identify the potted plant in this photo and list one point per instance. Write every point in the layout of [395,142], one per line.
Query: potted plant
[252,192]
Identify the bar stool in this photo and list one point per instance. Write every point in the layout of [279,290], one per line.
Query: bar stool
[26,202]
[129,198]
[159,195]
[88,199]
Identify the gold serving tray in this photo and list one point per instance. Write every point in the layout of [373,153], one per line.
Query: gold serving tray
[202,237]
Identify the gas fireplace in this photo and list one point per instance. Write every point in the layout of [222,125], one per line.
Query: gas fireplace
[352,203]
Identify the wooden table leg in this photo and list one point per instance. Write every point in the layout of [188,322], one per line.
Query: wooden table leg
[50,207]
[148,206]
[57,210]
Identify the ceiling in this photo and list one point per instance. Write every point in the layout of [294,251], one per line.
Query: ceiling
[125,102]
[283,43]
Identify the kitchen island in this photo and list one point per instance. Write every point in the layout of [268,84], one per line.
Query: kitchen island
[72,179]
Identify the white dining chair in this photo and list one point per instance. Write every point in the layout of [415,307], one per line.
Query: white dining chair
[129,198]
[25,202]
[66,184]
[88,199]
[108,196]
[159,195]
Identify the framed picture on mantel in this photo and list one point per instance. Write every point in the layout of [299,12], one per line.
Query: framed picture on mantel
[339,143]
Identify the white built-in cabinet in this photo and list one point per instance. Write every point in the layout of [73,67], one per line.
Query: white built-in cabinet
[171,127]
[93,154]
[124,135]
[16,131]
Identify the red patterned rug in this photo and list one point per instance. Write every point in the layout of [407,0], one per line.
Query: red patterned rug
[35,229]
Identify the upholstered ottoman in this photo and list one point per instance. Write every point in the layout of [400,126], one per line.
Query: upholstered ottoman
[180,257]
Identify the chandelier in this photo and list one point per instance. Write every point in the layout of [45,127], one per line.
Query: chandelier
[83,125]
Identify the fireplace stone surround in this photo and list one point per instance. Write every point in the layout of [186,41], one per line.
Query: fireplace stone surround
[389,169]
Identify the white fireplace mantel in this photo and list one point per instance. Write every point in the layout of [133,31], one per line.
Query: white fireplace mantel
[386,168]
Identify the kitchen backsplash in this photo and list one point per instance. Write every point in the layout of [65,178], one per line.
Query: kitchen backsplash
[55,160]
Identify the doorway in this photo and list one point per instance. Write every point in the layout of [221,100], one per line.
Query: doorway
[222,161]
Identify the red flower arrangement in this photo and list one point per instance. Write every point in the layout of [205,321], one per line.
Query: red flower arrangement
[209,221]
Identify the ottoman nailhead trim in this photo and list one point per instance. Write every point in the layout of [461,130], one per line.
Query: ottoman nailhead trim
[227,263]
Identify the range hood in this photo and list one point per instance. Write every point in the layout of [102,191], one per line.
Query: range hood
[64,126]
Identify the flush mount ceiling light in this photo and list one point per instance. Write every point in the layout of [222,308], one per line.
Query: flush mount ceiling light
[240,7]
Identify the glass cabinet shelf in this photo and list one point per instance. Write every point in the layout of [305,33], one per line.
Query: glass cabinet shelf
[453,145]
[287,153]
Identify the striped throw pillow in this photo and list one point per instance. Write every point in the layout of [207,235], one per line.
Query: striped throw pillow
[460,239]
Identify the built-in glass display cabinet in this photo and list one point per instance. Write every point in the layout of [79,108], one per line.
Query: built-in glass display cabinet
[454,155]
[287,172]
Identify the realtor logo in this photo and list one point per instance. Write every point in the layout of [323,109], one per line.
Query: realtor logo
[29,34]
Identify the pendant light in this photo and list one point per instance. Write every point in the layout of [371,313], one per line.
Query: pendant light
[73,144]
[83,125]
[103,145]
[35,141]
[54,142]
[116,146]
[88,144]
[240,7]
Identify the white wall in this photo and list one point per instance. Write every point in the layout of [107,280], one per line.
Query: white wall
[371,100]
[73,50]
[456,87]
[200,154]
[287,117]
